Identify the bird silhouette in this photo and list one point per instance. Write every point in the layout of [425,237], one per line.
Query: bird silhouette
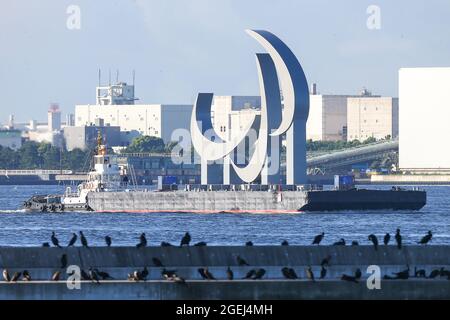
[230,274]
[26,275]
[102,274]
[241,262]
[55,240]
[426,238]
[83,240]
[94,276]
[284,243]
[250,274]
[259,274]
[166,274]
[108,241]
[185,240]
[318,238]
[374,240]
[419,273]
[249,244]
[341,242]
[386,239]
[56,276]
[289,273]
[323,272]
[144,273]
[165,244]
[200,244]
[73,240]
[398,239]
[310,274]
[142,241]
[402,274]
[63,261]
[6,275]
[16,276]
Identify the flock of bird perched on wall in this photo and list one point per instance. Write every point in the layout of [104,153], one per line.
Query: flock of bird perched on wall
[96,275]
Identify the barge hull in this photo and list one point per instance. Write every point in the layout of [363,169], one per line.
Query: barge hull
[255,201]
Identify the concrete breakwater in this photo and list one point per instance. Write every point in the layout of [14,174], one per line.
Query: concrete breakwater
[120,261]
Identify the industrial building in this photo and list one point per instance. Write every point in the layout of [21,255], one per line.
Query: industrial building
[372,117]
[115,106]
[327,120]
[85,137]
[424,114]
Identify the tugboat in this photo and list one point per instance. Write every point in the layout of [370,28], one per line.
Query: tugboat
[104,177]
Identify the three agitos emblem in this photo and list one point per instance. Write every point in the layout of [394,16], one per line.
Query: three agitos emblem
[280,74]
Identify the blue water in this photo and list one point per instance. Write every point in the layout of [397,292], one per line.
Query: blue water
[32,229]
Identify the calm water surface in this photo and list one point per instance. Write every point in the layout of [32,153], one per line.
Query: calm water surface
[32,229]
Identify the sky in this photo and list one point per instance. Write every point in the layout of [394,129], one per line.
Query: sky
[181,47]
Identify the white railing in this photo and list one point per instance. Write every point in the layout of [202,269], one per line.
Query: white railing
[32,172]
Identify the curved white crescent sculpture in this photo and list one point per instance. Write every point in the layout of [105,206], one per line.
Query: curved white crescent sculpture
[278,69]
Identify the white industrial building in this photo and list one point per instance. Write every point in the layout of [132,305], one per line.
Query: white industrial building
[424,114]
[327,120]
[10,139]
[372,117]
[115,105]
[233,113]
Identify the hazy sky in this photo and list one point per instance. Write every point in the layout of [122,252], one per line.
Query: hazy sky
[179,48]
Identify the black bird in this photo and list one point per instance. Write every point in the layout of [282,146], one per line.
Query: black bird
[144,273]
[6,275]
[426,238]
[142,241]
[398,239]
[167,273]
[444,273]
[200,244]
[289,273]
[93,275]
[63,261]
[323,272]
[185,240]
[102,274]
[241,262]
[45,245]
[108,241]
[318,238]
[340,242]
[374,240]
[73,240]
[249,244]
[386,239]
[157,262]
[349,278]
[358,274]
[26,275]
[284,243]
[16,276]
[55,240]
[83,239]
[137,275]
[165,244]
[434,273]
[250,274]
[208,274]
[326,261]
[177,279]
[84,275]
[259,274]
[201,271]
[230,274]
[402,274]
[355,243]
[310,274]
[56,275]
[419,273]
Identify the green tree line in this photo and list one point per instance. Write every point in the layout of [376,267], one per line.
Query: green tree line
[33,155]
